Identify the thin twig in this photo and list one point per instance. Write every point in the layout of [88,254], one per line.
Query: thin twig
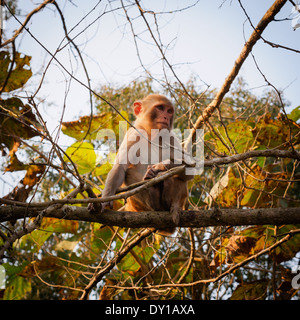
[216,279]
[255,36]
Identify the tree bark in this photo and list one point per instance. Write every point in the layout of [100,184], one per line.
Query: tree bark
[160,219]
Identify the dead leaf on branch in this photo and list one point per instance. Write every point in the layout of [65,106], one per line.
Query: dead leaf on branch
[25,186]
[233,249]
[16,121]
[255,290]
[270,133]
[239,246]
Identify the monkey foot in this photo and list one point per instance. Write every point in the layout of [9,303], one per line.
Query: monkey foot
[175,214]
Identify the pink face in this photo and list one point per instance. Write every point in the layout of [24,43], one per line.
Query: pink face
[156,115]
[162,115]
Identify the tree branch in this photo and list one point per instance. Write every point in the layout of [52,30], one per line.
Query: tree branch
[33,225]
[142,234]
[222,275]
[255,36]
[252,154]
[131,190]
[23,25]
[162,219]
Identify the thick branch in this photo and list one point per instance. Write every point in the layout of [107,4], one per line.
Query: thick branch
[160,219]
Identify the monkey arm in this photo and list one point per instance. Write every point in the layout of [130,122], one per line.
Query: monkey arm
[114,180]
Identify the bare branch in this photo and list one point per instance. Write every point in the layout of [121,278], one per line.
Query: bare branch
[126,249]
[272,44]
[227,272]
[255,36]
[146,184]
[33,225]
[23,25]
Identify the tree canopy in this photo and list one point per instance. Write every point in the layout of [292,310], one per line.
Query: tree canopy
[239,237]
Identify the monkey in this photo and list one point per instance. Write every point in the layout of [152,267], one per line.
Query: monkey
[140,147]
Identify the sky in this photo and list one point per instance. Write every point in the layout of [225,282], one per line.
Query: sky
[202,41]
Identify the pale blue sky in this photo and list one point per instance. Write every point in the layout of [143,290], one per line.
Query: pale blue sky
[203,41]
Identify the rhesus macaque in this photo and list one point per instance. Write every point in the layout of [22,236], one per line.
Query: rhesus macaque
[137,152]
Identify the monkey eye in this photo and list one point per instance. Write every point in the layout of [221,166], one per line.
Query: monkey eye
[160,107]
[170,111]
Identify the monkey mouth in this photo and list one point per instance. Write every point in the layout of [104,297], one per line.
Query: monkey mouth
[163,123]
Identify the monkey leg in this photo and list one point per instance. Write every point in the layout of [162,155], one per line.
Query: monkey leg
[147,200]
[175,212]
[168,195]
[175,215]
[174,196]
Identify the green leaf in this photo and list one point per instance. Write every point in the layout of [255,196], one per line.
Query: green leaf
[288,249]
[145,254]
[250,198]
[106,167]
[17,288]
[83,155]
[33,241]
[59,225]
[239,133]
[100,237]
[20,72]
[11,269]
[128,264]
[295,114]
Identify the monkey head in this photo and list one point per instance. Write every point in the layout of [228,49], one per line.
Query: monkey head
[154,112]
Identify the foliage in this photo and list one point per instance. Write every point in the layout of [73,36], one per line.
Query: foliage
[56,257]
[18,74]
[59,257]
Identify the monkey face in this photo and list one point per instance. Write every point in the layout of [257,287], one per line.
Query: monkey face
[154,112]
[163,116]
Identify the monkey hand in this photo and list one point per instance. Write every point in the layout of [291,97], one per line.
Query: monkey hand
[99,207]
[152,171]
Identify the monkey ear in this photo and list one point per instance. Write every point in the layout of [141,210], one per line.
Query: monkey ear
[137,107]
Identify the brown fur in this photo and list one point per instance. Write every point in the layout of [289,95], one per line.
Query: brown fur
[153,112]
